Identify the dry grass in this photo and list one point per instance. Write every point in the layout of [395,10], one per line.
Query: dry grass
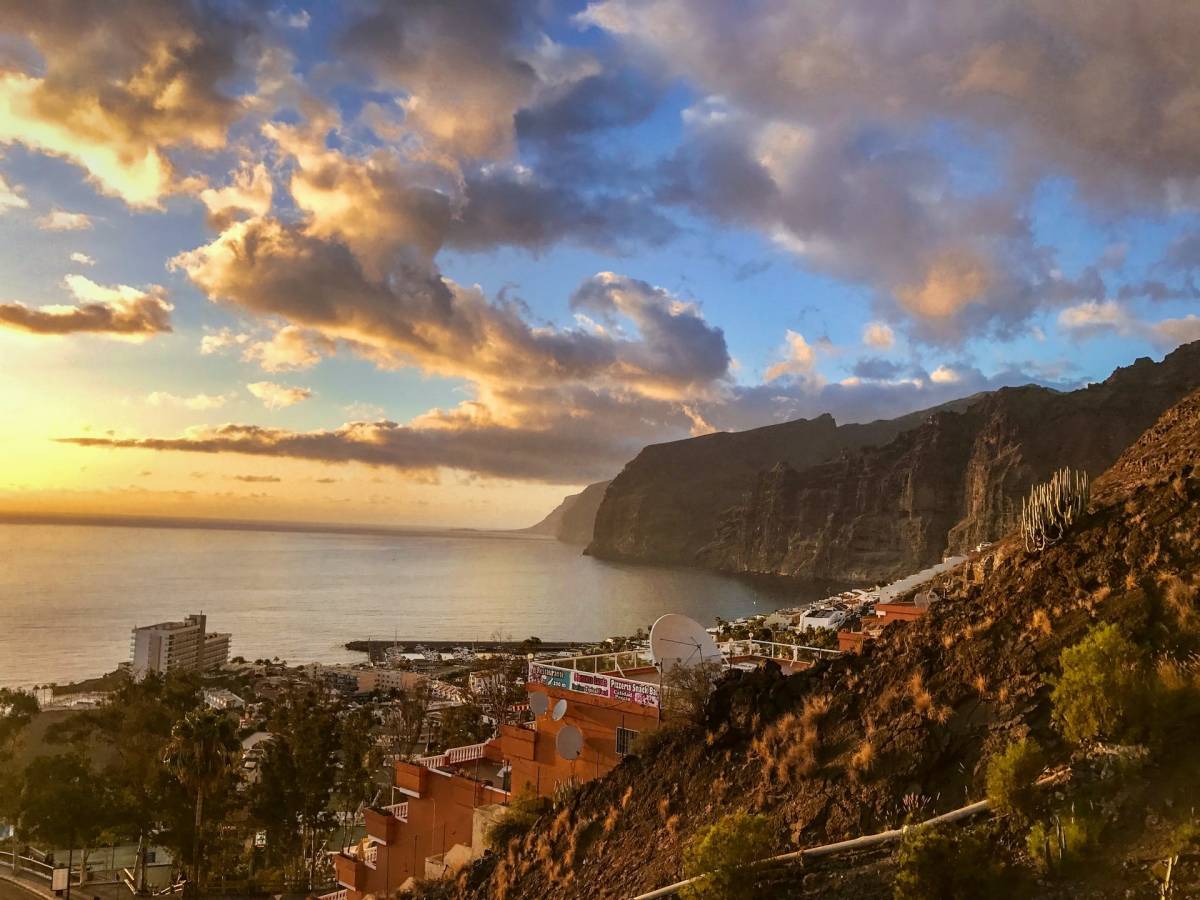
[672,825]
[789,747]
[1180,598]
[921,698]
[863,758]
[1039,622]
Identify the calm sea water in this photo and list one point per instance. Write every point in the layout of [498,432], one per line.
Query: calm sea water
[69,594]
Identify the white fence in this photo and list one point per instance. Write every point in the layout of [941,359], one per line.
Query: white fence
[452,756]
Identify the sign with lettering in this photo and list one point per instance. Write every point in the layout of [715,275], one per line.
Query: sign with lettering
[551,676]
[594,685]
[587,683]
[634,692]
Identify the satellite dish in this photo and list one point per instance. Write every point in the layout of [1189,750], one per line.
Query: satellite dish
[676,640]
[539,703]
[569,742]
[560,710]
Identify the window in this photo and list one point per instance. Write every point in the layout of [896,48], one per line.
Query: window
[625,739]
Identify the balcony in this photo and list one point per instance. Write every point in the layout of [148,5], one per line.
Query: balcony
[453,757]
[382,826]
[351,872]
[399,810]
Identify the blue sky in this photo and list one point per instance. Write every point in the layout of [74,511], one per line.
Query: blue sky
[441,262]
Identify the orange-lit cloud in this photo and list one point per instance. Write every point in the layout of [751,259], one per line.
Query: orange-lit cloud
[278,396]
[120,85]
[120,311]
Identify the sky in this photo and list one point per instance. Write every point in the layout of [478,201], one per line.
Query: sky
[441,262]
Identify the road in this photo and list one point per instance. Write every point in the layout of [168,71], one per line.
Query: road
[10,891]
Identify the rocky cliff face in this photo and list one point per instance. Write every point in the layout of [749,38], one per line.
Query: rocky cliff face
[811,499]
[840,750]
[573,520]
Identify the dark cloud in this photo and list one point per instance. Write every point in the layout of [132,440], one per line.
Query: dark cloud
[119,311]
[414,316]
[876,368]
[117,84]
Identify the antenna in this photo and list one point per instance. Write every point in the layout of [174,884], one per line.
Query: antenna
[569,742]
[560,710]
[677,640]
[538,703]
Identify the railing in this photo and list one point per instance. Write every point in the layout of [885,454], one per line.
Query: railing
[452,756]
[370,854]
[619,662]
[335,895]
[399,810]
[30,864]
[773,650]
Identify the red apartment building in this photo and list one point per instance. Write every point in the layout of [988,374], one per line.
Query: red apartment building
[445,804]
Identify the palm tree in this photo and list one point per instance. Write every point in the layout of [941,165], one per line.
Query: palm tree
[201,751]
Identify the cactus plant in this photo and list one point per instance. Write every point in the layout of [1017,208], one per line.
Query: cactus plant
[1052,507]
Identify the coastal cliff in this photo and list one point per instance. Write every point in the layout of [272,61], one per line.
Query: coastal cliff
[573,520]
[812,499]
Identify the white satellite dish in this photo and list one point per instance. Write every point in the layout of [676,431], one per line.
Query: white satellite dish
[538,703]
[569,742]
[560,710]
[676,640]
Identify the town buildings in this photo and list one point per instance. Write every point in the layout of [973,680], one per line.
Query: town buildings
[177,647]
[443,806]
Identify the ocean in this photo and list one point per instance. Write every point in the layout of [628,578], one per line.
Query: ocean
[69,594]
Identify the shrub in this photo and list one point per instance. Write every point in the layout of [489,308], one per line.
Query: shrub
[1100,686]
[523,811]
[1010,779]
[940,863]
[687,691]
[1063,841]
[721,852]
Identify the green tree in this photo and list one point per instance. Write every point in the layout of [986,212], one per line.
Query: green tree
[359,761]
[200,756]
[134,727]
[407,717]
[942,863]
[463,725]
[721,852]
[63,803]
[298,776]
[1010,779]
[17,710]
[1100,687]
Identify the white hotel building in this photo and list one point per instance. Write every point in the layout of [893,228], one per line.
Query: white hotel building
[177,646]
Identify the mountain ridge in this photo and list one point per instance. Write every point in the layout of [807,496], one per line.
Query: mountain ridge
[812,499]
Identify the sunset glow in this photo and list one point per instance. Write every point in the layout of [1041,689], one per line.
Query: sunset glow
[442,263]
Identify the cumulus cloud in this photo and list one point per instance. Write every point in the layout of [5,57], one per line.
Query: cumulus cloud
[82,259]
[799,359]
[1094,318]
[197,402]
[112,88]
[290,348]
[62,220]
[825,123]
[415,316]
[878,334]
[120,311]
[278,396]
[249,192]
[10,197]
[220,341]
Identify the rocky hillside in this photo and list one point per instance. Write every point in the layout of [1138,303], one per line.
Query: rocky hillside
[856,745]
[573,520]
[812,499]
